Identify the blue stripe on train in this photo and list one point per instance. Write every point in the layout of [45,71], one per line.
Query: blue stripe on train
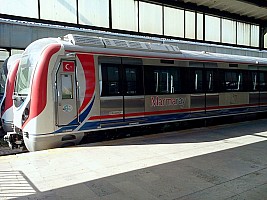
[156,118]
[74,124]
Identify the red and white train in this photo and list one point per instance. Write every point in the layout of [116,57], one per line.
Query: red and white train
[69,86]
[7,102]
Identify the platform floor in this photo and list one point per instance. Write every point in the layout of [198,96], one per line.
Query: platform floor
[219,162]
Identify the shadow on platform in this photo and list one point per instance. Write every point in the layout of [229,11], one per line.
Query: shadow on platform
[233,174]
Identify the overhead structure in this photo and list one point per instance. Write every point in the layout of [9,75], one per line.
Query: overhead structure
[254,9]
[234,23]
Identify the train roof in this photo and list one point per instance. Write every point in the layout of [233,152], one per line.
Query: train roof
[168,51]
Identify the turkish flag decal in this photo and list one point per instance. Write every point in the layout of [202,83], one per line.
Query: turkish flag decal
[68,66]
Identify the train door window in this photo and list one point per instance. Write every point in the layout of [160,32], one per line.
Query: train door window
[248,81]
[110,80]
[67,86]
[133,80]
[233,81]
[263,81]
[198,80]
[164,81]
[254,81]
[210,80]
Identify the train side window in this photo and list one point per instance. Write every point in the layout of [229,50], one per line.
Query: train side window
[162,80]
[133,80]
[263,81]
[110,80]
[67,86]
[233,81]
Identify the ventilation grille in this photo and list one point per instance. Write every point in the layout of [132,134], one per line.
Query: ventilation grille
[83,40]
[125,44]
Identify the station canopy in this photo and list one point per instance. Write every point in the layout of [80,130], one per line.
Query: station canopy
[256,9]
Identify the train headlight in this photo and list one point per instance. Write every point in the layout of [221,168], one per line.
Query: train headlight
[25,115]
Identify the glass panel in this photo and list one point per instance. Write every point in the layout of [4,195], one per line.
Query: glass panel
[94,12]
[24,75]
[166,80]
[190,24]
[243,33]
[253,82]
[263,81]
[265,40]
[150,18]
[110,80]
[124,15]
[131,81]
[3,70]
[28,62]
[228,31]
[255,35]
[233,81]
[2,80]
[198,87]
[24,8]
[59,10]
[210,80]
[173,22]
[67,86]
[212,28]
[199,26]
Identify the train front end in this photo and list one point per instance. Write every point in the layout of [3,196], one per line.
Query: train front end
[32,95]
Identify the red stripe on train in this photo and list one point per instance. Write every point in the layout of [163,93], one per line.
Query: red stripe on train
[39,82]
[88,66]
[10,86]
[173,111]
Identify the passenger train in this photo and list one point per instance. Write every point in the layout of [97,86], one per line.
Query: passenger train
[3,75]
[6,104]
[68,87]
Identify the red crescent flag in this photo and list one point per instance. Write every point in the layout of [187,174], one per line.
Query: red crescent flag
[68,66]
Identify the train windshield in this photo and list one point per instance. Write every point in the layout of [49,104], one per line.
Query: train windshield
[3,75]
[28,62]
[24,76]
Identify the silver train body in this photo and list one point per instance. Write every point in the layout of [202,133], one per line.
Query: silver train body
[73,85]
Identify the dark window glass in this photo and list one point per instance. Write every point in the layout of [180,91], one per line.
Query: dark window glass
[254,81]
[110,80]
[233,81]
[121,80]
[210,80]
[263,81]
[162,80]
[248,81]
[198,80]
[133,80]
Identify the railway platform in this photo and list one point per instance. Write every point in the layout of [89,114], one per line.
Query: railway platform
[218,162]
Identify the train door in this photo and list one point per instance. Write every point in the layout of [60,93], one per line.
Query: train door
[133,92]
[121,91]
[198,96]
[263,89]
[111,98]
[67,98]
[211,79]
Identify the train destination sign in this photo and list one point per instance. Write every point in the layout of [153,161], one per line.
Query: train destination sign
[158,101]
